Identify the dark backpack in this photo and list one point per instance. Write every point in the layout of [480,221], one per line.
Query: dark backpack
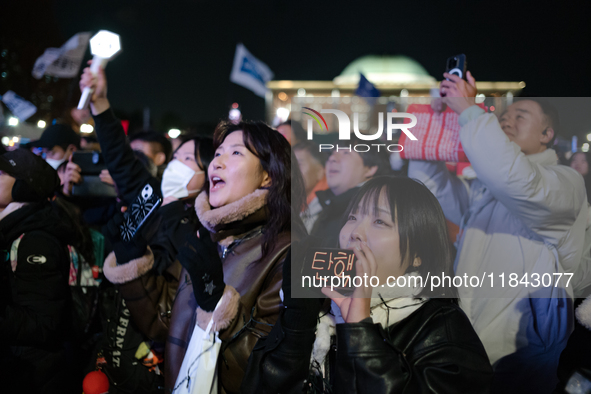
[84,284]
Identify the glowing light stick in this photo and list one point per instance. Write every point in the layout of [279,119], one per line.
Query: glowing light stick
[104,46]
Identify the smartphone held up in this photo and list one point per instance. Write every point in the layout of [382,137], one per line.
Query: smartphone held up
[456,65]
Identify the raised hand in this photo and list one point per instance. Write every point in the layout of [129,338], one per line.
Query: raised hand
[357,306]
[72,175]
[98,82]
[124,251]
[105,177]
[458,94]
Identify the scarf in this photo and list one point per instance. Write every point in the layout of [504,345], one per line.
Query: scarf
[233,219]
[389,305]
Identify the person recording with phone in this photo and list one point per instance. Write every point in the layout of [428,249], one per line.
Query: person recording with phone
[58,145]
[144,268]
[523,213]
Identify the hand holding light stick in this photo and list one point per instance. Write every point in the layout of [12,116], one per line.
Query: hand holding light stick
[104,46]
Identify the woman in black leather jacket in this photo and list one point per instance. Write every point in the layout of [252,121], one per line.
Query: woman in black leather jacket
[405,339]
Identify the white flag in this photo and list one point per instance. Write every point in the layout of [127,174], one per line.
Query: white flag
[62,62]
[250,72]
[19,107]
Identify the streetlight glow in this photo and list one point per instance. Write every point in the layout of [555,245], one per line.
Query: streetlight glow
[282,113]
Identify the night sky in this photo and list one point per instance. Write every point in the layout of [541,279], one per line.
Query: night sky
[177,55]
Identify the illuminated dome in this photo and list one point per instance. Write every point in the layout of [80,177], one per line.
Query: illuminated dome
[384,70]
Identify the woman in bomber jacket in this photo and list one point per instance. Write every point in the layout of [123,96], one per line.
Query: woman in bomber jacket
[238,262]
[145,272]
[388,340]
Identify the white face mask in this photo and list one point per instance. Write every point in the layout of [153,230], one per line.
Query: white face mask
[175,179]
[55,163]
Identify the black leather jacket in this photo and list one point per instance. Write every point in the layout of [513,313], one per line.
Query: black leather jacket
[434,350]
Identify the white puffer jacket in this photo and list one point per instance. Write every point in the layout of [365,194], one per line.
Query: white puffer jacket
[523,214]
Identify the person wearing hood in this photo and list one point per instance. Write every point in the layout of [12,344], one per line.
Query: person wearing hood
[145,272]
[35,300]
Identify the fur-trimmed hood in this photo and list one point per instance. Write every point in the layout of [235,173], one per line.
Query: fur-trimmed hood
[235,218]
[214,219]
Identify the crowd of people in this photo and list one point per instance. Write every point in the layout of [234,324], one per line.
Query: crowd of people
[230,215]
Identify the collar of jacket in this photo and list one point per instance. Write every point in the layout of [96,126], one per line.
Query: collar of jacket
[10,208]
[235,218]
[547,157]
[34,216]
[387,313]
[392,304]
[393,311]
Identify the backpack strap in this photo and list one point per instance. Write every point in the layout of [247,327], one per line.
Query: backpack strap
[75,267]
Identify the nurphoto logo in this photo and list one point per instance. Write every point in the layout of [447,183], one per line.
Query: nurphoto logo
[345,128]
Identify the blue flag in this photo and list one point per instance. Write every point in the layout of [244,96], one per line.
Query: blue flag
[366,88]
[250,72]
